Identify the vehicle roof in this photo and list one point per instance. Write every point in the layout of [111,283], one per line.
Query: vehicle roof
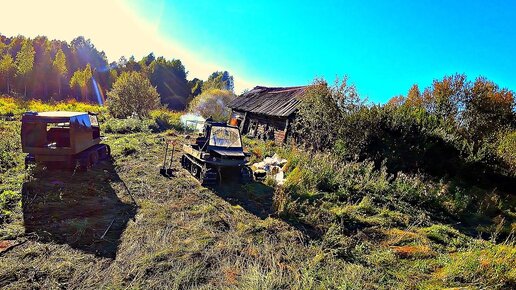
[59,114]
[51,117]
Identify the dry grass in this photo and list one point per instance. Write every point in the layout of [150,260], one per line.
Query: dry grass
[181,235]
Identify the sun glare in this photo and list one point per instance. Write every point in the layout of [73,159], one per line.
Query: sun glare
[117,27]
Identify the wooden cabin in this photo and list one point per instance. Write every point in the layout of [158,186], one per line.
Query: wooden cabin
[266,113]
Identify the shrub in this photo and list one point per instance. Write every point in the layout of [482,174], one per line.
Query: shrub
[213,103]
[165,119]
[507,150]
[322,107]
[132,94]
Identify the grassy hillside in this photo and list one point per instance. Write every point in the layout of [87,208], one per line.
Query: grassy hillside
[335,223]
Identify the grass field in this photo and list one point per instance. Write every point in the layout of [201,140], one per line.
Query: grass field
[122,225]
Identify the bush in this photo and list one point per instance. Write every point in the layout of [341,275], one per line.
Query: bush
[213,103]
[322,107]
[132,94]
[507,150]
[165,119]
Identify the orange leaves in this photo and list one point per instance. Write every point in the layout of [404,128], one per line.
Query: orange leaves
[418,251]
[396,101]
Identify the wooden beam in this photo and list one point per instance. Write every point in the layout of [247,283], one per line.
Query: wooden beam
[242,124]
[286,129]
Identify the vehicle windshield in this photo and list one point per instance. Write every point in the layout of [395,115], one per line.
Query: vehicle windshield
[225,137]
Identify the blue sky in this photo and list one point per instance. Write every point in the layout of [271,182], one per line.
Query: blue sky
[383,46]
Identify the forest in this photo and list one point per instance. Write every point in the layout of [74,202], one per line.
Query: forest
[54,70]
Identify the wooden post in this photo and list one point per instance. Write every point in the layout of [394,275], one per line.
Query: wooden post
[243,123]
[286,129]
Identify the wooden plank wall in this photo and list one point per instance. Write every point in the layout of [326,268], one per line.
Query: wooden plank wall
[262,123]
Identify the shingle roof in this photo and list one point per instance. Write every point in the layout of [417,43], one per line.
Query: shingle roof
[279,102]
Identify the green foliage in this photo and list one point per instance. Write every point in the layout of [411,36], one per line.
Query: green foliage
[59,66]
[169,79]
[220,80]
[446,236]
[195,87]
[128,125]
[9,145]
[59,63]
[9,200]
[213,102]
[10,106]
[77,64]
[7,68]
[165,119]
[81,81]
[158,121]
[10,176]
[321,109]
[492,267]
[507,150]
[25,61]
[132,94]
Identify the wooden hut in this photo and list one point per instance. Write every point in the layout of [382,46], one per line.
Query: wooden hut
[266,113]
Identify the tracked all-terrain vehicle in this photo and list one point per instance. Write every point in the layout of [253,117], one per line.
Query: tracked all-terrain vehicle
[218,149]
[64,140]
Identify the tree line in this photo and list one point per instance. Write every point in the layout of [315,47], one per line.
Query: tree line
[45,69]
[454,129]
